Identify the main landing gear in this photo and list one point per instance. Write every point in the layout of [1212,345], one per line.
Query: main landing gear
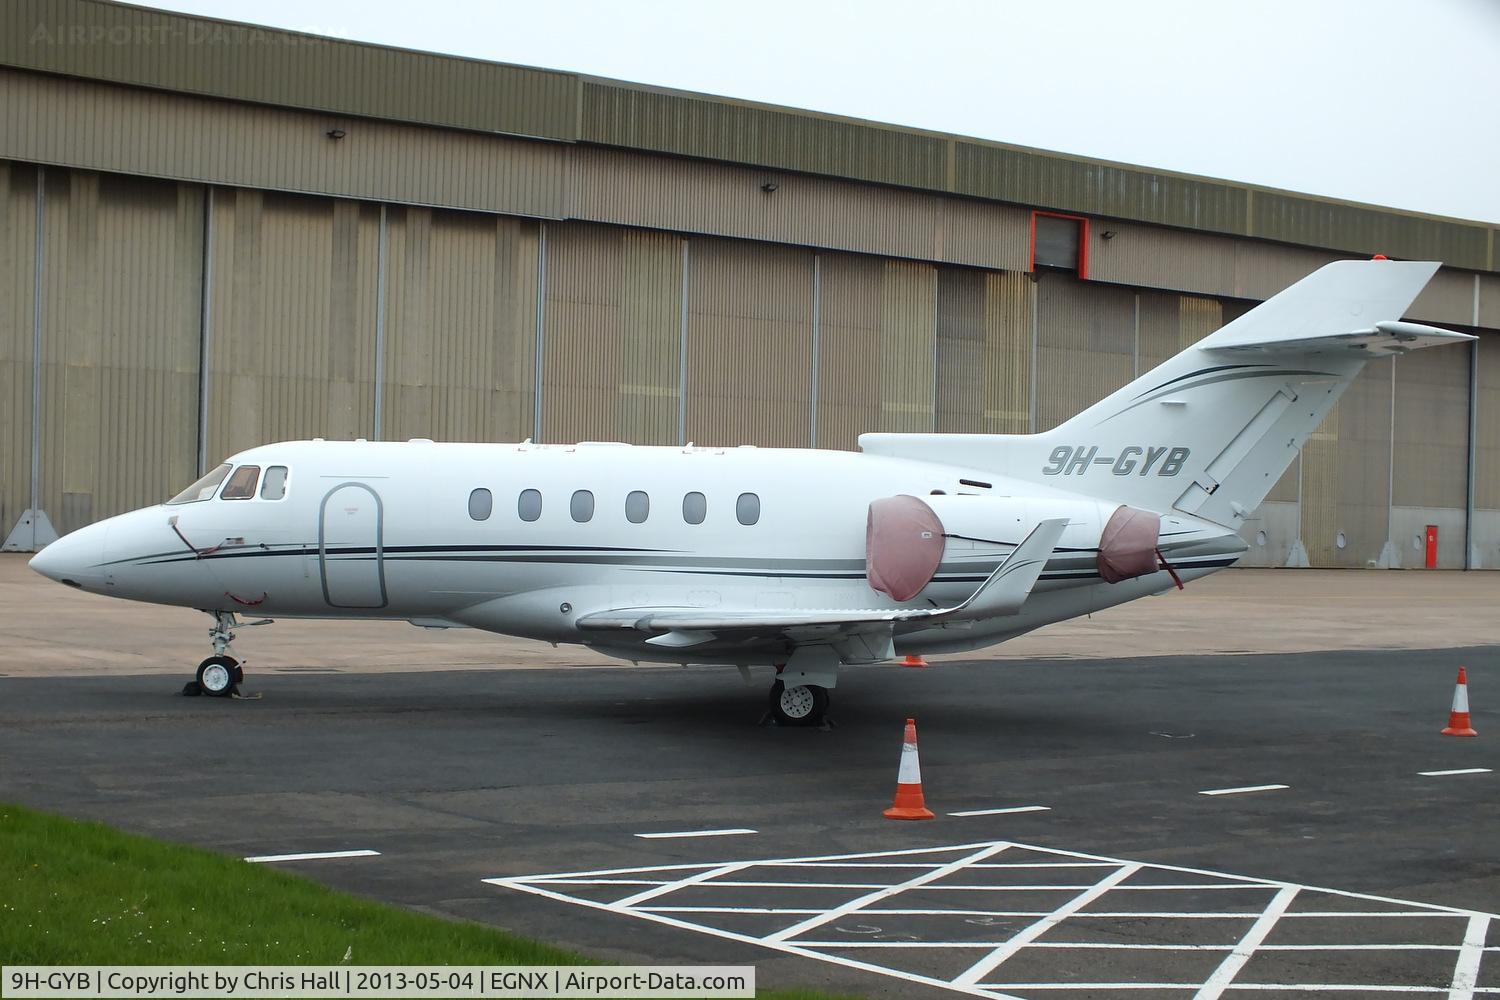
[798,704]
[221,675]
[799,694]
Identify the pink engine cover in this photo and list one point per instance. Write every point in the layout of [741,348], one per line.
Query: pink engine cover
[1127,546]
[903,546]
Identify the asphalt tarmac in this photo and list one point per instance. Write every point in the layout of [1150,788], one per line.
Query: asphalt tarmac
[459,776]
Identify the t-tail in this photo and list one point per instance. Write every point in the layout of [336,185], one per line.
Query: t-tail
[1210,431]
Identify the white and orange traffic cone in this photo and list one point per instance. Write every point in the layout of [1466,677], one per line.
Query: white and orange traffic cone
[909,803]
[913,660]
[1458,718]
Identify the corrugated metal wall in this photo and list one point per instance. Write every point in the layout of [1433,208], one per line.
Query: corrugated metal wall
[17,275]
[160,49]
[1432,428]
[460,326]
[1487,445]
[749,310]
[1345,475]
[611,365]
[693,125]
[282,364]
[908,346]
[984,351]
[294,323]
[690,196]
[1085,345]
[849,347]
[119,343]
[275,71]
[99,127]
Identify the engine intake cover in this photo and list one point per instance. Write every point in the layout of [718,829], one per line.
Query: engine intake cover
[1127,546]
[903,546]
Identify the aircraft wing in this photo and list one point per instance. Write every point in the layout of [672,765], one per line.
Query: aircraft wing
[1002,593]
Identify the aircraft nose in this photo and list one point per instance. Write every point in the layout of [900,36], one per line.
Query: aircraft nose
[75,559]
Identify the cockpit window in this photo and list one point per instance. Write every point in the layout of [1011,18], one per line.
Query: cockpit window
[241,485]
[273,487]
[204,488]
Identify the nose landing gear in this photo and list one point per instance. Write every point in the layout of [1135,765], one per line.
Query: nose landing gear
[220,675]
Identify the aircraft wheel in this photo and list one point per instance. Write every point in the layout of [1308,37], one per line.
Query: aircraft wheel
[218,675]
[798,705]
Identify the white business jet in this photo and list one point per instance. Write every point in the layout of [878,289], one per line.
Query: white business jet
[800,559]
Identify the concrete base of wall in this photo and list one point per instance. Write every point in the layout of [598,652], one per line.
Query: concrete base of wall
[1270,531]
[1409,533]
[32,533]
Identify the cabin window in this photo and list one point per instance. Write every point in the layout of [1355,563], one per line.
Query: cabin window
[747,508]
[637,507]
[273,486]
[204,488]
[481,502]
[529,505]
[694,508]
[582,506]
[241,485]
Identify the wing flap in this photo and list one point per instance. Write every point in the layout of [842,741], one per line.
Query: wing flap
[1002,593]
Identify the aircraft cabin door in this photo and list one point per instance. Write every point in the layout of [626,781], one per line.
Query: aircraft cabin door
[351,556]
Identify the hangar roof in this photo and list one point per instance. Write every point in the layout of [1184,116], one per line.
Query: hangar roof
[145,47]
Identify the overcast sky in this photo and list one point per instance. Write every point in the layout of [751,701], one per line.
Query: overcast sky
[1391,102]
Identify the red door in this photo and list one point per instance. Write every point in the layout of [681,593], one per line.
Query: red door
[1432,546]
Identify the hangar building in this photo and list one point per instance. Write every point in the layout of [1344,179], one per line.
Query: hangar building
[214,235]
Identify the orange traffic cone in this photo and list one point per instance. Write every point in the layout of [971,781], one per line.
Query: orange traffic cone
[1458,718]
[912,660]
[909,803]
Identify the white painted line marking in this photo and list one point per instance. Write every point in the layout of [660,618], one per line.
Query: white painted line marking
[1461,770]
[1216,984]
[695,833]
[1002,812]
[1466,969]
[1274,987]
[1247,788]
[914,866]
[988,963]
[787,933]
[317,856]
[703,876]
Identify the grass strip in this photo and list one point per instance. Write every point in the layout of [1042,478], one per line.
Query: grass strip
[80,893]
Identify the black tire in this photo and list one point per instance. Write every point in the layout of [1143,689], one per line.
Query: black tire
[218,676]
[799,705]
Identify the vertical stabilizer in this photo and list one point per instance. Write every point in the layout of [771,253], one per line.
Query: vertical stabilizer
[1209,432]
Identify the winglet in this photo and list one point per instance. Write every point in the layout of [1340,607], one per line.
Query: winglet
[1010,584]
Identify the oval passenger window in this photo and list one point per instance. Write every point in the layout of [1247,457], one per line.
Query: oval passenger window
[529,505]
[582,506]
[747,508]
[637,507]
[694,508]
[480,504]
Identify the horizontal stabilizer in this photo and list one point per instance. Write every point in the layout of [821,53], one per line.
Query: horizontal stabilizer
[1388,337]
[1002,593]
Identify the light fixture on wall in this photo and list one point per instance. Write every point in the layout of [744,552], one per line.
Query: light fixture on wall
[1108,234]
[335,133]
[769,187]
